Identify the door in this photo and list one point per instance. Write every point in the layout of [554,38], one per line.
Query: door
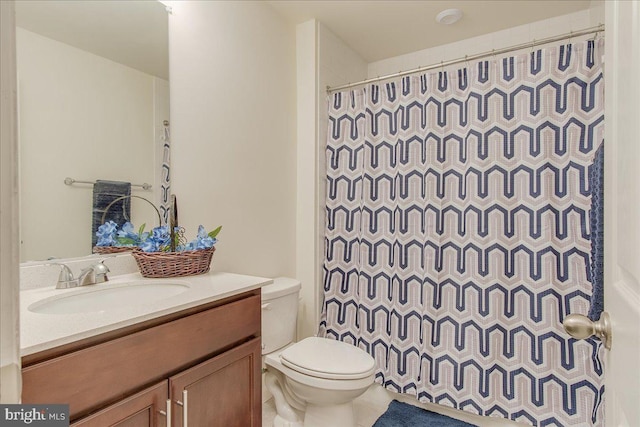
[145,409]
[622,211]
[221,392]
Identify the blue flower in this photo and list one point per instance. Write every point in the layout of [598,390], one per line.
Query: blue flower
[202,241]
[127,230]
[161,233]
[158,240]
[106,234]
[202,234]
[127,236]
[149,245]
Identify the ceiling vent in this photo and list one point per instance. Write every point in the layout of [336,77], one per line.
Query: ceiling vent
[449,16]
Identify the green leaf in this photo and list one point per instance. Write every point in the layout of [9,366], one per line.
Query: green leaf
[215,232]
[125,240]
[141,230]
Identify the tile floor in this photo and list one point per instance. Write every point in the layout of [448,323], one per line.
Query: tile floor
[375,401]
[367,407]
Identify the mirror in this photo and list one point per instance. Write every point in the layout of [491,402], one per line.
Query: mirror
[93,96]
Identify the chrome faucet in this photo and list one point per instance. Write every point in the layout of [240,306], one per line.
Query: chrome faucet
[97,273]
[65,279]
[93,275]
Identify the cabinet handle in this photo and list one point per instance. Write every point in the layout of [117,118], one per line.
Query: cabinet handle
[167,413]
[185,416]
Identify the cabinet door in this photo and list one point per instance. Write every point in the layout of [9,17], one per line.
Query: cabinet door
[223,391]
[140,410]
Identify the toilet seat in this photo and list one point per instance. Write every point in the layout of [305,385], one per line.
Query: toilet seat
[328,359]
[273,360]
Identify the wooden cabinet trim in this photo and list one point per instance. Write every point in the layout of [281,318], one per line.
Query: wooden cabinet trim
[58,351]
[153,398]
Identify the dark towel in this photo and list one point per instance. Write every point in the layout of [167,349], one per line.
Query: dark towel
[404,415]
[105,192]
[596,182]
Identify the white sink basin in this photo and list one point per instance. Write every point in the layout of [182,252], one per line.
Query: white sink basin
[104,297]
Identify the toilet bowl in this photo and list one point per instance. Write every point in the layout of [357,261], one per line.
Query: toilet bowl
[314,381]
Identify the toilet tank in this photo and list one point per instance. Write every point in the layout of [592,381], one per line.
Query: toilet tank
[279,313]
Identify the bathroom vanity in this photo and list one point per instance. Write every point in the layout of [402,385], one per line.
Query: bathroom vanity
[189,359]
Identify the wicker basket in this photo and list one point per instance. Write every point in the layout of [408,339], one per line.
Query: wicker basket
[173,264]
[106,250]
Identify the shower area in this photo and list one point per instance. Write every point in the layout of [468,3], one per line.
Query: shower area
[463,221]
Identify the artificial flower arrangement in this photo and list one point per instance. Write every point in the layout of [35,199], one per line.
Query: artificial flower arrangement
[158,240]
[154,252]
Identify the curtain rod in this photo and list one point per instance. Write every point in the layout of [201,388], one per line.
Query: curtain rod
[597,29]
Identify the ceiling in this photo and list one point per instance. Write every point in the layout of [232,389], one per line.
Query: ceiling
[134,33]
[384,29]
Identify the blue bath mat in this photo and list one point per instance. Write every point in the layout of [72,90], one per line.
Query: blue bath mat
[404,415]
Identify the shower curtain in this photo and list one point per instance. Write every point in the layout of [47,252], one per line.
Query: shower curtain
[458,233]
[165,185]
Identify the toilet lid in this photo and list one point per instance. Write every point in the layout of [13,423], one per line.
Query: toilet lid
[327,358]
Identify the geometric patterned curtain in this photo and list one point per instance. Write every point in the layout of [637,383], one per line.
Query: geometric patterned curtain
[458,233]
[165,176]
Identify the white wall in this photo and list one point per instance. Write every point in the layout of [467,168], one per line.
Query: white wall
[597,13]
[497,40]
[9,319]
[322,60]
[233,124]
[85,117]
[307,205]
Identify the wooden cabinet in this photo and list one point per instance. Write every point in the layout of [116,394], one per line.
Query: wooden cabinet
[220,392]
[207,359]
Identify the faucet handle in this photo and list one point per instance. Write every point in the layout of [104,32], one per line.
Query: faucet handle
[65,279]
[101,270]
[65,273]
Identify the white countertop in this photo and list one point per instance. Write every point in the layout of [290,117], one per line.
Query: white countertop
[40,332]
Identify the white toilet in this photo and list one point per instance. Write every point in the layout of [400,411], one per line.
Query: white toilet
[314,381]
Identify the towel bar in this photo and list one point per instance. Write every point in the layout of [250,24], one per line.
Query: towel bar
[71,181]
